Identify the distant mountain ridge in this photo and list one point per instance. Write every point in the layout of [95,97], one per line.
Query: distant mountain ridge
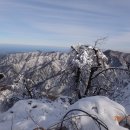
[40,62]
[13,65]
[117,58]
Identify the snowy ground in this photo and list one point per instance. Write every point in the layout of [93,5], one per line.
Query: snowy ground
[29,114]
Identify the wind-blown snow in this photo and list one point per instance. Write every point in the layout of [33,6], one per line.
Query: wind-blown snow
[28,114]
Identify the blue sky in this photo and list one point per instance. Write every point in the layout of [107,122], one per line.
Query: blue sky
[65,22]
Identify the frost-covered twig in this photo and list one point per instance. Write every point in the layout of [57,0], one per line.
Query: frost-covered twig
[99,41]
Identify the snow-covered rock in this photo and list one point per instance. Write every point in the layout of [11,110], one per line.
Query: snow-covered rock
[100,107]
[29,114]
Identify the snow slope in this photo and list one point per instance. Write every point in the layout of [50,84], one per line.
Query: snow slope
[29,114]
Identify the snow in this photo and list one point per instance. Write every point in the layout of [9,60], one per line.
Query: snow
[82,59]
[85,58]
[29,114]
[44,112]
[103,108]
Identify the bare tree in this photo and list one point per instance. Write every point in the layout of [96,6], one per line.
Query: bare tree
[96,77]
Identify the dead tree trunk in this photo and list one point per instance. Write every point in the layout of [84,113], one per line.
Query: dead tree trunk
[1,76]
[78,73]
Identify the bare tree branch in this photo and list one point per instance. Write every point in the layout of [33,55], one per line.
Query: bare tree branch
[111,68]
[100,41]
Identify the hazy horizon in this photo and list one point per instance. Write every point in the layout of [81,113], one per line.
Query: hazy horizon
[16,48]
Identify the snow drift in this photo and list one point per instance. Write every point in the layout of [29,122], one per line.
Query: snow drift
[30,114]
